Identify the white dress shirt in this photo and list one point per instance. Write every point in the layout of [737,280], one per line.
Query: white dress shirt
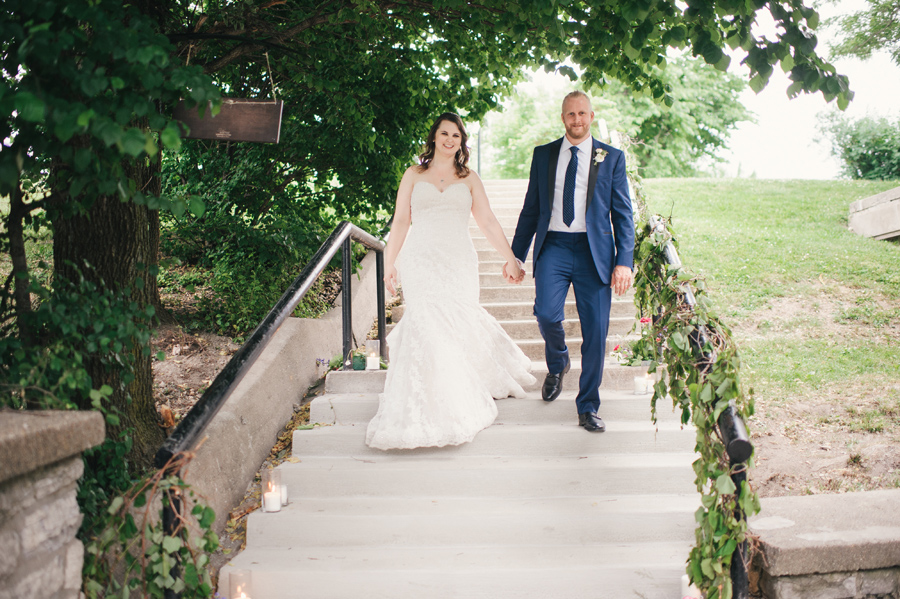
[585,151]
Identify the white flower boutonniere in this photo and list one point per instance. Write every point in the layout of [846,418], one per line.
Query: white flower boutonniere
[600,155]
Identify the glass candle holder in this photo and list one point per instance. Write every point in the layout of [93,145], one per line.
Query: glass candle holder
[239,585]
[270,489]
[373,354]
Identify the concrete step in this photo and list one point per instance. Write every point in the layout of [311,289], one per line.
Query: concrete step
[404,474]
[427,521]
[359,408]
[647,580]
[529,330]
[524,310]
[538,440]
[467,558]
[615,377]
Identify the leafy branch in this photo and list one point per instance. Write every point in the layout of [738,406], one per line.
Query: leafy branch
[702,378]
[132,552]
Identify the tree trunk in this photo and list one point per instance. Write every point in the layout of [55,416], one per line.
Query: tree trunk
[119,241]
[20,274]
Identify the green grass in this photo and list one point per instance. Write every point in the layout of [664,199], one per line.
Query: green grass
[758,239]
[815,307]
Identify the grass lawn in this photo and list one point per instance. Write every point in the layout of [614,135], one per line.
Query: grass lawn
[815,310]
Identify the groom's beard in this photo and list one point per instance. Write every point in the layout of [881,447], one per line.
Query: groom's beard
[579,132]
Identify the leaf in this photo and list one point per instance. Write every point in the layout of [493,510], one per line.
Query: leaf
[115,505]
[171,544]
[724,484]
[196,205]
[29,107]
[112,420]
[706,393]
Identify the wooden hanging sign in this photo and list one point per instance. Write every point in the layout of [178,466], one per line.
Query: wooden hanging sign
[240,119]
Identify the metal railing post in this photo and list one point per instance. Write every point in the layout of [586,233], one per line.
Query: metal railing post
[170,518]
[379,295]
[740,575]
[346,312]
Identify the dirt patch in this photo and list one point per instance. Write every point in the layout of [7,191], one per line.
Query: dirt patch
[846,440]
[833,438]
[192,361]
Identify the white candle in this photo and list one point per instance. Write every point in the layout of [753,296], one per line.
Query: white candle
[272,501]
[640,385]
[648,384]
[373,363]
[284,494]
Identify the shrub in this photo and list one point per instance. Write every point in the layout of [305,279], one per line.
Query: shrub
[869,147]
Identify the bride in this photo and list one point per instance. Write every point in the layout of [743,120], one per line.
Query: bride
[449,357]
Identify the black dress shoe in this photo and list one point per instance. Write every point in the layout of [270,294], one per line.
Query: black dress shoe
[553,384]
[591,422]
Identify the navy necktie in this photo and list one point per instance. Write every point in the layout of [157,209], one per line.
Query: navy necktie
[569,188]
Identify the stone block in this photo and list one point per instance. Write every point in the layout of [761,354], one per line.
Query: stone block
[38,578]
[20,493]
[878,582]
[829,533]
[839,585]
[74,559]
[10,549]
[877,216]
[49,525]
[30,440]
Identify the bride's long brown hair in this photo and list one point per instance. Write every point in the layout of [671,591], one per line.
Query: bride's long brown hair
[461,160]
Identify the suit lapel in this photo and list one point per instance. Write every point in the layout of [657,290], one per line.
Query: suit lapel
[592,176]
[551,172]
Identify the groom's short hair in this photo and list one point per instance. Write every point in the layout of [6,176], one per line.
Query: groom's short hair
[576,94]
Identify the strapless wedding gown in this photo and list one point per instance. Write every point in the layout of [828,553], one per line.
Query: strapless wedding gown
[449,357]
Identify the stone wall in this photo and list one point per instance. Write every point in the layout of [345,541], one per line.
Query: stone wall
[844,546]
[40,464]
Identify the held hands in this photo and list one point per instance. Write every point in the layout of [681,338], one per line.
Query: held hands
[513,272]
[621,280]
[390,279]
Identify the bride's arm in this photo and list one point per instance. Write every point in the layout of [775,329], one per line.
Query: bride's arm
[490,226]
[399,229]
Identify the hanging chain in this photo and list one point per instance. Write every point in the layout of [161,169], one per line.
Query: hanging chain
[271,79]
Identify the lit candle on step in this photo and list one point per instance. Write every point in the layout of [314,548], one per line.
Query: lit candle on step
[640,385]
[373,363]
[648,383]
[272,501]
[239,583]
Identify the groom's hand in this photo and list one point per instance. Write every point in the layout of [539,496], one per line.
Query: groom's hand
[621,279]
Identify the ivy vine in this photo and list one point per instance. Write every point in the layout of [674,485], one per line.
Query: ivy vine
[131,554]
[682,335]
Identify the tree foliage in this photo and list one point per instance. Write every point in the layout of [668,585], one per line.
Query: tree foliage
[866,31]
[669,142]
[868,147]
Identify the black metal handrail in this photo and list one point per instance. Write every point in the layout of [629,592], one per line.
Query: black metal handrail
[189,431]
[730,424]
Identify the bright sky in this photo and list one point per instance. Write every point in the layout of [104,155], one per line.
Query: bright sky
[781,145]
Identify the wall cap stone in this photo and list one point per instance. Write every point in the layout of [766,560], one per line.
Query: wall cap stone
[32,439]
[819,534]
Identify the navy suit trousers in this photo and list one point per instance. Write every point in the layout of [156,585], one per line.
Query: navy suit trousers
[566,259]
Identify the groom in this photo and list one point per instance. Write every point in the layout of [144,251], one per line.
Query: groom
[578,211]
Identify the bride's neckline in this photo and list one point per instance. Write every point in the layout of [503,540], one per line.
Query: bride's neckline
[439,190]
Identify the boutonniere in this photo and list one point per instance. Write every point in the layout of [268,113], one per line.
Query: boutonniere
[599,155]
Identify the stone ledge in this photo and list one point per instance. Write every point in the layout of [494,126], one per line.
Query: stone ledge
[877,216]
[33,439]
[824,534]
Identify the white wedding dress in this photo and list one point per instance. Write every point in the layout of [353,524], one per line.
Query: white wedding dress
[449,357]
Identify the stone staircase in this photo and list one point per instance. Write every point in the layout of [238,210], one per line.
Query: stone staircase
[534,507]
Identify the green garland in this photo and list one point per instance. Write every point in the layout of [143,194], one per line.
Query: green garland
[701,381]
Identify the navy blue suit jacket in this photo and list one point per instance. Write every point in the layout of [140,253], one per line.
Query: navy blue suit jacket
[609,217]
